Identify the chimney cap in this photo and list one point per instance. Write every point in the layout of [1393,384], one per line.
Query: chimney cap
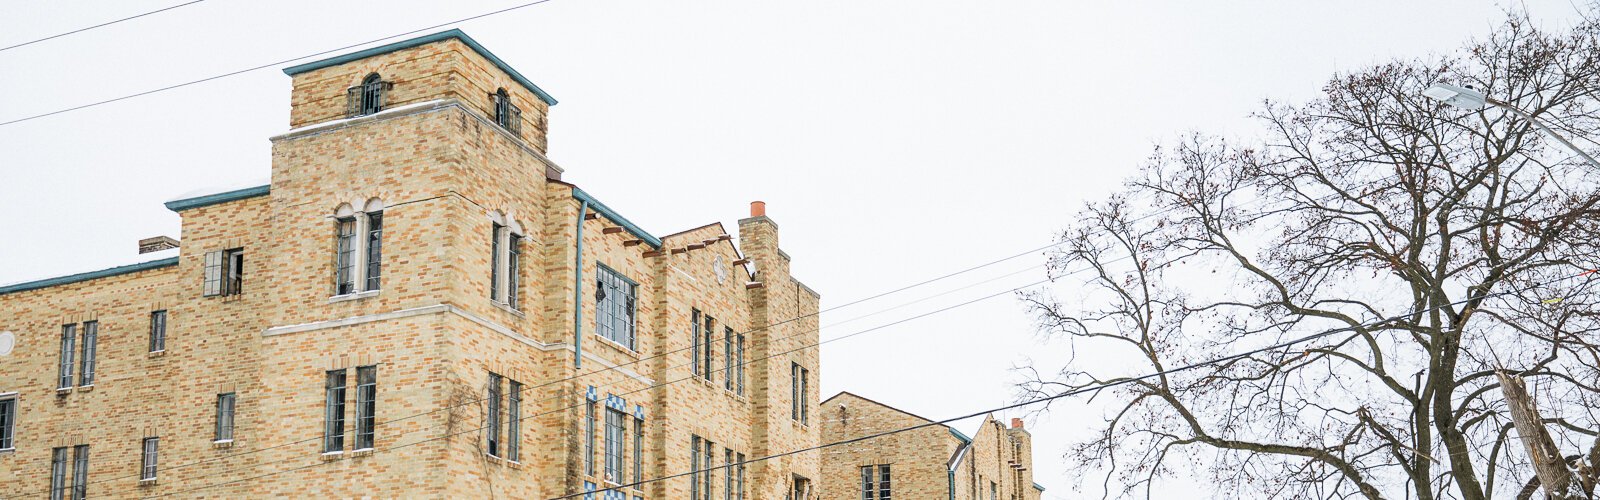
[758,208]
[157,244]
[1016,423]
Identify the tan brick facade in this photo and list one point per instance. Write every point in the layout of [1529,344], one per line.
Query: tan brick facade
[933,462]
[444,174]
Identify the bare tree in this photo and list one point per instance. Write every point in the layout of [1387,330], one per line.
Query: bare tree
[1449,243]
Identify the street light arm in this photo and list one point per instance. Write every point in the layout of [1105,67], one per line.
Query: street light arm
[1547,130]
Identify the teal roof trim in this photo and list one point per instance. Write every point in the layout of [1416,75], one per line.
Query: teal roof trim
[91,275]
[419,41]
[213,199]
[606,211]
[963,437]
[1037,487]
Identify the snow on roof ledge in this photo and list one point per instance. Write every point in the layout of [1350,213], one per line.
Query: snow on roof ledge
[216,197]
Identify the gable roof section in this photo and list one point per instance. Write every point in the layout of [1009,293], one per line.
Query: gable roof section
[420,41]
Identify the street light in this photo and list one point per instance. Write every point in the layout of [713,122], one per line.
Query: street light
[1473,100]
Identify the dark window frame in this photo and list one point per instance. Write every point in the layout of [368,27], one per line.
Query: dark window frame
[149,453]
[91,353]
[374,248]
[492,416]
[67,362]
[344,255]
[158,330]
[616,313]
[366,407]
[333,411]
[227,408]
[8,421]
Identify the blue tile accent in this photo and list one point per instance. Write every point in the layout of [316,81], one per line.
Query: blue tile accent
[91,275]
[213,199]
[588,490]
[592,394]
[616,402]
[638,412]
[626,224]
[424,40]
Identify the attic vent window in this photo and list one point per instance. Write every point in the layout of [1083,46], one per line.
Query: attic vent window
[505,113]
[367,98]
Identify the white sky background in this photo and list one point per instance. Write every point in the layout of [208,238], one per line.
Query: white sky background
[892,141]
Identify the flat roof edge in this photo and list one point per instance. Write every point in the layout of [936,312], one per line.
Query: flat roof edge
[213,199]
[420,41]
[91,275]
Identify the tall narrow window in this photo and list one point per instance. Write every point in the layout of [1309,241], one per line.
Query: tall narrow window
[367,98]
[80,472]
[58,473]
[69,339]
[213,274]
[694,467]
[615,441]
[727,358]
[740,482]
[8,422]
[869,484]
[225,409]
[514,423]
[694,322]
[91,346]
[638,452]
[711,331]
[727,477]
[794,391]
[588,440]
[147,466]
[492,429]
[883,482]
[739,347]
[158,331]
[333,418]
[345,256]
[494,261]
[507,114]
[366,406]
[513,269]
[710,476]
[805,396]
[614,307]
[374,250]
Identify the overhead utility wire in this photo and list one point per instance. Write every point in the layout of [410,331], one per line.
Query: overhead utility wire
[80,30]
[1095,388]
[271,64]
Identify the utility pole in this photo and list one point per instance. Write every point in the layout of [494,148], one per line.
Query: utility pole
[1552,470]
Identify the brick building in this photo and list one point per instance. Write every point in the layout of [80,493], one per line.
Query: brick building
[415,306]
[935,462]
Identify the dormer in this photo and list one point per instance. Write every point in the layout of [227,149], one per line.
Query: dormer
[442,66]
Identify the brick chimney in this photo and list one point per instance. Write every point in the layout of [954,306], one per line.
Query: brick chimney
[758,209]
[157,244]
[1016,423]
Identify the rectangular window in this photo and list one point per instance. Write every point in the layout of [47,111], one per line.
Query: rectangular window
[794,391]
[694,322]
[91,346]
[213,274]
[158,331]
[513,269]
[492,427]
[727,478]
[8,422]
[588,440]
[614,308]
[638,452]
[514,423]
[711,331]
[58,473]
[333,418]
[366,406]
[344,278]
[494,261]
[994,491]
[740,482]
[883,482]
[80,472]
[708,459]
[740,366]
[374,250]
[233,271]
[727,358]
[147,468]
[805,396]
[694,467]
[869,485]
[225,409]
[616,438]
[69,339]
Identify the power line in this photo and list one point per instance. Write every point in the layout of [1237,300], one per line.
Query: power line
[1074,392]
[271,64]
[80,30]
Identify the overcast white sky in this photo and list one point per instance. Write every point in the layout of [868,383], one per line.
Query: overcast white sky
[892,141]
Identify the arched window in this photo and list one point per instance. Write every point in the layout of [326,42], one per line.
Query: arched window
[367,98]
[505,113]
[358,248]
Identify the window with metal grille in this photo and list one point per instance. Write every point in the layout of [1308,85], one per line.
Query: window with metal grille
[91,347]
[505,113]
[614,307]
[374,250]
[366,406]
[492,427]
[8,422]
[345,256]
[588,441]
[80,472]
[367,98]
[58,473]
[711,331]
[869,484]
[638,452]
[225,408]
[695,339]
[224,272]
[694,467]
[739,367]
[616,439]
[69,339]
[727,477]
[513,269]
[711,473]
[727,358]
[333,416]
[739,495]
[147,465]
[514,423]
[883,482]
[494,260]
[158,331]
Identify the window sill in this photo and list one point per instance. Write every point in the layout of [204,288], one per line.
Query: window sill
[156,354]
[7,451]
[361,452]
[329,456]
[353,296]
[618,345]
[62,391]
[86,388]
[507,308]
[222,443]
[147,482]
